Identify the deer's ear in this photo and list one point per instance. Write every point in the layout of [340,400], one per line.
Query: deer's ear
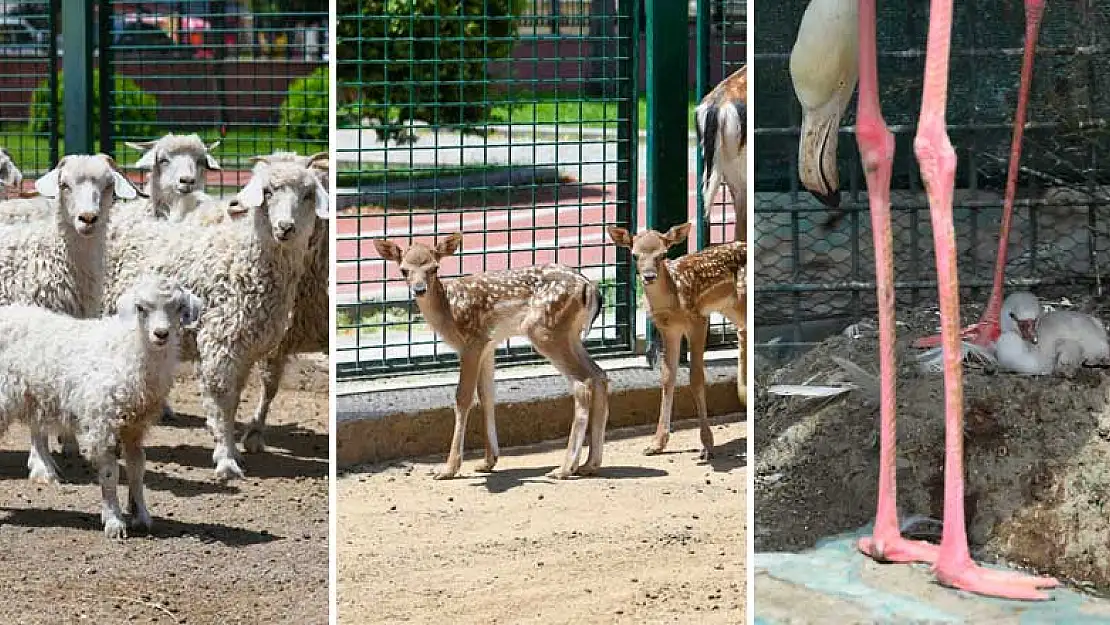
[388,250]
[448,246]
[620,236]
[677,234]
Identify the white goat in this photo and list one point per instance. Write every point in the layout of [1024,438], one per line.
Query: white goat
[177,164]
[309,330]
[248,271]
[52,251]
[104,380]
[10,176]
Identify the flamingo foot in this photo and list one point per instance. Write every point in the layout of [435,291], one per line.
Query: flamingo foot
[897,550]
[1003,584]
[984,334]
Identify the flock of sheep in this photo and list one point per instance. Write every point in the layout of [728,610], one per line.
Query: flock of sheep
[103,289]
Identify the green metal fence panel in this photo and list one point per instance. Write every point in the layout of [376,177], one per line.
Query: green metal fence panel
[511,121]
[815,275]
[29,99]
[250,74]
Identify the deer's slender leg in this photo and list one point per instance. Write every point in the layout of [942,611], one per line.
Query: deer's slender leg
[599,416]
[876,146]
[697,383]
[987,330]
[469,363]
[953,566]
[488,401]
[738,316]
[587,381]
[672,344]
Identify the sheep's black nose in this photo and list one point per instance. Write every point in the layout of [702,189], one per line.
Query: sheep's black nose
[187,180]
[87,218]
[420,289]
[162,333]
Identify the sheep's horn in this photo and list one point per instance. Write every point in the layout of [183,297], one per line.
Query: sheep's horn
[318,160]
[258,159]
[212,146]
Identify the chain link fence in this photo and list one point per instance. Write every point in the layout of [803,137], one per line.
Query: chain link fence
[510,121]
[815,275]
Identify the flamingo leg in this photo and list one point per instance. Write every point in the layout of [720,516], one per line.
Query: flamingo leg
[987,330]
[953,566]
[876,146]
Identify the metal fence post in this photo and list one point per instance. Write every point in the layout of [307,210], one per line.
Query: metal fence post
[668,49]
[703,61]
[77,67]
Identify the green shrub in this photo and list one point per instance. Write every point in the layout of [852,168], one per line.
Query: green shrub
[304,113]
[134,110]
[423,60]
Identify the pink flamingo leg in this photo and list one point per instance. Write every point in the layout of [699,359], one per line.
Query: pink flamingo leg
[986,332]
[876,146]
[953,566]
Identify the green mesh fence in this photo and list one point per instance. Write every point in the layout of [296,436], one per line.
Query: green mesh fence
[511,121]
[811,280]
[721,50]
[29,58]
[251,74]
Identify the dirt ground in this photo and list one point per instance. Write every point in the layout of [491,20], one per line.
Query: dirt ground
[1038,481]
[656,539]
[254,551]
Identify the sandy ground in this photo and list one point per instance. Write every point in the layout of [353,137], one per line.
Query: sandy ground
[653,540]
[1038,485]
[254,551]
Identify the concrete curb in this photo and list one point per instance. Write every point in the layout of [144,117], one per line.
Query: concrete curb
[386,425]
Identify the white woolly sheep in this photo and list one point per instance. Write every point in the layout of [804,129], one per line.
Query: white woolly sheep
[177,164]
[309,330]
[247,269]
[10,176]
[104,380]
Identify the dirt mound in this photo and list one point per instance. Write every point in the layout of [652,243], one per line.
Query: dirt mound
[1038,480]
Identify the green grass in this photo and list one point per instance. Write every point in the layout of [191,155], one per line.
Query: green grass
[32,152]
[373,321]
[549,109]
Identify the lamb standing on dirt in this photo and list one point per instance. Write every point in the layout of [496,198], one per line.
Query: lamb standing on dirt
[1034,342]
[247,270]
[52,252]
[104,380]
[178,166]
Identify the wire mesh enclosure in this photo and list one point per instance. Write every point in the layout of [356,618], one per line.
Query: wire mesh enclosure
[513,122]
[29,64]
[814,269]
[252,75]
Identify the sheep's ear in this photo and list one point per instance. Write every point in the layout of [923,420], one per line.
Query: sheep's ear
[191,309]
[388,250]
[47,185]
[254,160]
[620,236]
[252,195]
[146,161]
[125,306]
[321,201]
[123,187]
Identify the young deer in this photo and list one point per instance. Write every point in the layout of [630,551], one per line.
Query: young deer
[553,306]
[680,296]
